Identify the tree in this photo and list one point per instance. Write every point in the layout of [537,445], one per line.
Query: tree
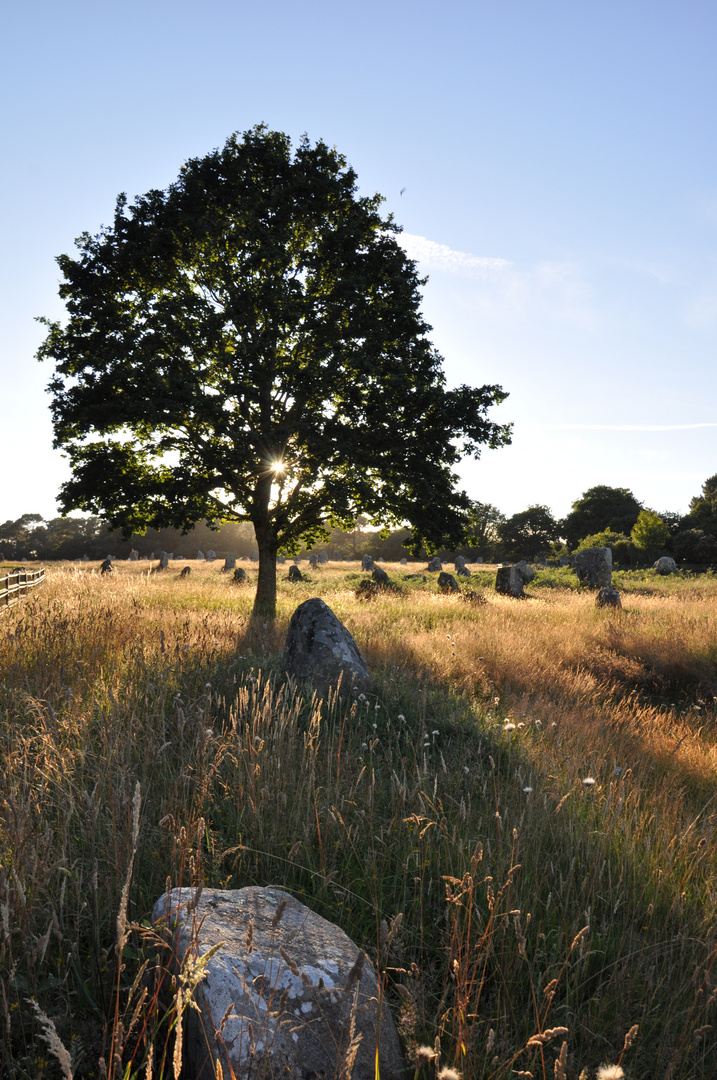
[703,508]
[649,533]
[247,345]
[482,535]
[623,550]
[601,508]
[529,534]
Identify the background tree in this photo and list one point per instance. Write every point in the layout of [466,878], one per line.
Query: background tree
[622,547]
[703,508]
[649,533]
[482,534]
[601,508]
[529,534]
[247,345]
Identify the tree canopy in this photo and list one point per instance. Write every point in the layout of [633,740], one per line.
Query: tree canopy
[529,533]
[247,345]
[601,508]
[649,533]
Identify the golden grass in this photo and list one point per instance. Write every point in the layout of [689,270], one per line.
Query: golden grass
[469,759]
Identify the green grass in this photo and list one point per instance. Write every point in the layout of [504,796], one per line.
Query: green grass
[150,680]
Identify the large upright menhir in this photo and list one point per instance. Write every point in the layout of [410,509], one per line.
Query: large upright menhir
[247,345]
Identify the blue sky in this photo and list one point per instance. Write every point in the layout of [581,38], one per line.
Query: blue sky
[558,163]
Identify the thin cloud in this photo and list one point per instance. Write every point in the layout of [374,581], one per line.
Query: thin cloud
[504,292]
[435,256]
[620,427]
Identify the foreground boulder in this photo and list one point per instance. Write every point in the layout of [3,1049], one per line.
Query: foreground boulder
[594,567]
[608,597]
[447,583]
[509,581]
[288,994]
[666,565]
[240,574]
[320,650]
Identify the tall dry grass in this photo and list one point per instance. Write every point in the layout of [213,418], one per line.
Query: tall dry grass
[455,796]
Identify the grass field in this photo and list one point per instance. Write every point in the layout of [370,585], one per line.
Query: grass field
[531,785]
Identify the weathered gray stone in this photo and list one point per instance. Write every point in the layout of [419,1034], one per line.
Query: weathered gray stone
[200,556]
[367,562]
[134,555]
[283,988]
[463,571]
[608,597]
[320,650]
[527,571]
[211,555]
[163,560]
[460,562]
[435,564]
[564,560]
[509,581]
[380,576]
[105,567]
[666,565]
[280,560]
[254,556]
[479,559]
[323,557]
[240,574]
[313,561]
[229,563]
[295,574]
[404,562]
[594,567]
[186,571]
[447,583]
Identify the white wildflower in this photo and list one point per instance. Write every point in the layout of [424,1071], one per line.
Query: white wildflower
[589,781]
[509,727]
[528,790]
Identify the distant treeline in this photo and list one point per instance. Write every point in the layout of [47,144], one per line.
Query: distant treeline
[602,516]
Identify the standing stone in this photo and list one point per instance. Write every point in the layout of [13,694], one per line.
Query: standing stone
[367,562]
[133,555]
[323,557]
[404,562]
[295,574]
[186,571]
[594,567]
[447,583]
[666,565]
[527,571]
[463,571]
[282,989]
[479,559]
[509,581]
[460,563]
[337,556]
[564,560]
[240,574]
[435,563]
[200,555]
[608,597]
[280,560]
[254,556]
[163,561]
[313,561]
[380,576]
[320,650]
[229,564]
[211,555]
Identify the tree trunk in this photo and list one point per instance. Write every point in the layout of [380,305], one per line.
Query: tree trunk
[265,599]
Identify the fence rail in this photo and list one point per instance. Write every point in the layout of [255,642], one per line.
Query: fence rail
[15,583]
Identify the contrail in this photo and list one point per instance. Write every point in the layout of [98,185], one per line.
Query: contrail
[621,427]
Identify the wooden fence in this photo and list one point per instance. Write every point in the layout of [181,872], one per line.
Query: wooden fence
[15,583]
